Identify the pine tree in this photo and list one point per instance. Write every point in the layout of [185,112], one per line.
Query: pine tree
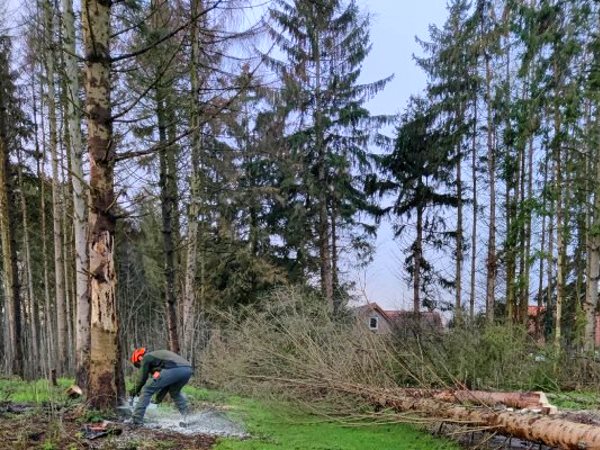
[419,174]
[326,42]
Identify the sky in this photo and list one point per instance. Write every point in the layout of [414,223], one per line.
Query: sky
[394,25]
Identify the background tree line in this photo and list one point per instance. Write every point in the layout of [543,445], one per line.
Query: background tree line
[161,160]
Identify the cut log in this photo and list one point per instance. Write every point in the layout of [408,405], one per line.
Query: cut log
[535,401]
[74,391]
[533,427]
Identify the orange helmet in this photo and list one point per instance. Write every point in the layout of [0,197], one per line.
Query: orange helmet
[137,355]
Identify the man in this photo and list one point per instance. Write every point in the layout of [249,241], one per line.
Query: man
[170,373]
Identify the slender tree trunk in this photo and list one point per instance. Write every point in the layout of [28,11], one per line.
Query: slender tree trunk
[34,318]
[491,163]
[323,224]
[337,299]
[66,254]
[524,301]
[49,316]
[72,108]
[593,256]
[105,367]
[59,276]
[189,299]
[167,187]
[459,236]
[560,241]
[417,257]
[540,293]
[475,214]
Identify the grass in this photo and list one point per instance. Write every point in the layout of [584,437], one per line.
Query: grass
[39,391]
[279,426]
[575,400]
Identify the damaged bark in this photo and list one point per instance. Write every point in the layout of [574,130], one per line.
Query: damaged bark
[104,352]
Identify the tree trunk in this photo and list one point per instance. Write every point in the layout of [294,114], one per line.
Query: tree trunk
[593,265]
[49,325]
[34,318]
[560,232]
[540,292]
[475,214]
[59,276]
[189,298]
[524,299]
[103,389]
[337,299]
[72,108]
[417,256]
[167,194]
[491,262]
[323,220]
[459,237]
[554,432]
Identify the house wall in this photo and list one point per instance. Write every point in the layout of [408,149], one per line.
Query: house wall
[383,325]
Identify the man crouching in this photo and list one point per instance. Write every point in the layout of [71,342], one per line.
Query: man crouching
[170,373]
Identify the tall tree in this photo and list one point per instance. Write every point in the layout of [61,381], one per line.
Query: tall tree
[104,350]
[325,43]
[419,174]
[72,112]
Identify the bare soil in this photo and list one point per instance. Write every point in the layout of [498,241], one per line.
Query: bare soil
[49,427]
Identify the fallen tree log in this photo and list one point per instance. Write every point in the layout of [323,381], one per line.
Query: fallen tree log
[539,428]
[535,401]
[553,432]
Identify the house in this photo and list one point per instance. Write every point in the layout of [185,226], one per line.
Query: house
[385,321]
[374,317]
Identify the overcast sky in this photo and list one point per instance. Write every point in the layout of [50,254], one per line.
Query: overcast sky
[394,25]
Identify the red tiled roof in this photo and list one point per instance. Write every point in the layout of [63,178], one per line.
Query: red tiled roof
[534,311]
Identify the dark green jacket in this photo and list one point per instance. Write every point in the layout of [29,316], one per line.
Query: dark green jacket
[155,362]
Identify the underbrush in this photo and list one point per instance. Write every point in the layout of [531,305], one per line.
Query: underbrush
[289,347]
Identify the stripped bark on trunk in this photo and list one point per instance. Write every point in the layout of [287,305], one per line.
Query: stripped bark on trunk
[104,350]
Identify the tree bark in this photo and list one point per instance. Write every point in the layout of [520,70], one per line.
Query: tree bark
[417,256]
[560,232]
[72,108]
[59,276]
[491,262]
[553,432]
[459,236]
[593,265]
[49,316]
[105,367]
[32,306]
[168,204]
[189,293]
[475,213]
[323,188]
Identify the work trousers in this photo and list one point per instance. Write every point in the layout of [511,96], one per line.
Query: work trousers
[169,381]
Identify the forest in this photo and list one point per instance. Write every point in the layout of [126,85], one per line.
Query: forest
[206,175]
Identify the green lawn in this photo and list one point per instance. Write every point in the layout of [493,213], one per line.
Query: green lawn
[279,426]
